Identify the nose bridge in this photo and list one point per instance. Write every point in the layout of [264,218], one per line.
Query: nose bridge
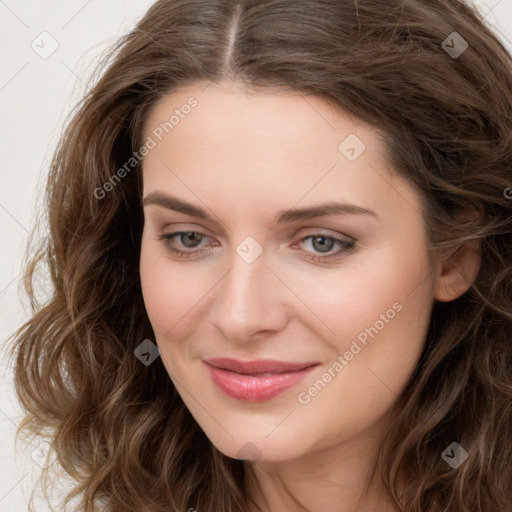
[244,302]
[243,292]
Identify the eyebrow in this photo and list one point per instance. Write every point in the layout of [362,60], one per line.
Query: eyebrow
[291,215]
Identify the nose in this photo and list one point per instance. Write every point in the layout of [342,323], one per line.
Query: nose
[249,301]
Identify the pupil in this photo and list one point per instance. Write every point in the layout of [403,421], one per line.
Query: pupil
[322,247]
[190,237]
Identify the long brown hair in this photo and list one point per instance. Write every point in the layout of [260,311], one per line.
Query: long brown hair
[119,428]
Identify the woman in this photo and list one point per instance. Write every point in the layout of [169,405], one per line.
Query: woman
[280,252]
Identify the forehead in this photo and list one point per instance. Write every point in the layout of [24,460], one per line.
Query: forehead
[264,116]
[263,147]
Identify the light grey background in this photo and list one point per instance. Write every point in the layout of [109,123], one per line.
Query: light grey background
[37,91]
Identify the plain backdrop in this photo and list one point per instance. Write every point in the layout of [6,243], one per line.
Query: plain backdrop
[48,48]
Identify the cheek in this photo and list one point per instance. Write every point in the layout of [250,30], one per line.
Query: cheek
[164,304]
[175,297]
[381,329]
[164,293]
[375,312]
[381,321]
[339,304]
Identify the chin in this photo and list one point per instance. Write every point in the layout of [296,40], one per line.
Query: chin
[259,448]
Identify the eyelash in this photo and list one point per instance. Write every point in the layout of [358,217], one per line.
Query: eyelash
[346,245]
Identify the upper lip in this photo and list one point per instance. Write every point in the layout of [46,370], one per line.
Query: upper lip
[257,365]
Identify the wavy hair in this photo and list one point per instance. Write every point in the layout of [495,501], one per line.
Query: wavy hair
[119,428]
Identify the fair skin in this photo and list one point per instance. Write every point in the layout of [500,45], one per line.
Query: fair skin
[243,158]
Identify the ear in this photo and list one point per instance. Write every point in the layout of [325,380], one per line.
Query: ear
[457,272]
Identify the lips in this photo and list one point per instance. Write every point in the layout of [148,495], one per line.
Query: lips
[256,380]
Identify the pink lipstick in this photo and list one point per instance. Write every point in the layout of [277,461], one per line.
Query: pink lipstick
[256,380]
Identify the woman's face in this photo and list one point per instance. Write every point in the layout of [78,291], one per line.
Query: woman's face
[299,246]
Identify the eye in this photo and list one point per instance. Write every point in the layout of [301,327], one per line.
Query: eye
[323,244]
[188,239]
[320,243]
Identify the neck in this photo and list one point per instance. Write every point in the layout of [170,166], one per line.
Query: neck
[344,477]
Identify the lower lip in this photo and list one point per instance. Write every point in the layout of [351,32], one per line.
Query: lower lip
[254,388]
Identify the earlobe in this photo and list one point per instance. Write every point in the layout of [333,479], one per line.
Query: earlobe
[457,272]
